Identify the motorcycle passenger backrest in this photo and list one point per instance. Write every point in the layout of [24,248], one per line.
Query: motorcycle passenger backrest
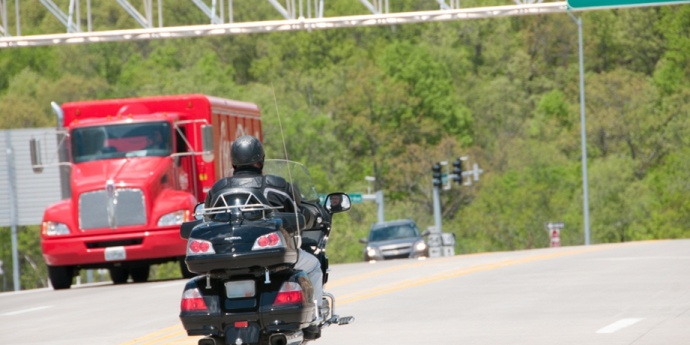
[238,205]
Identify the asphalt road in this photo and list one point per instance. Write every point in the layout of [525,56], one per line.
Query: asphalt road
[633,293]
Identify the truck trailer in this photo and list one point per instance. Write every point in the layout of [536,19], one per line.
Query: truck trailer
[133,170]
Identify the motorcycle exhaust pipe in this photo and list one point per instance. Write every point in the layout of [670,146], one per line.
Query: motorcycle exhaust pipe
[286,339]
[208,341]
[277,339]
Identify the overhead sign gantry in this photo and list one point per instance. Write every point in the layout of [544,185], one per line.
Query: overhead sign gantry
[296,15]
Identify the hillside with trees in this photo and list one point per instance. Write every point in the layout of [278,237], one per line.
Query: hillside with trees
[390,101]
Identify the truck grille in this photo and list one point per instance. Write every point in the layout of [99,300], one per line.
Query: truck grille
[129,210]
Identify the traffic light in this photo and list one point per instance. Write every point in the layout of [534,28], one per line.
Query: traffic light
[457,171]
[436,175]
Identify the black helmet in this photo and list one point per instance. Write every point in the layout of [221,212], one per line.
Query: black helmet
[246,150]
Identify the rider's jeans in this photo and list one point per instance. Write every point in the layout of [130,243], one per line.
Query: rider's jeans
[312,267]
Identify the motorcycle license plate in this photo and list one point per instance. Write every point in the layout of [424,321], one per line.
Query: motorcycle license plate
[115,254]
[240,289]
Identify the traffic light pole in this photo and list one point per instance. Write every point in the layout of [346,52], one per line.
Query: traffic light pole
[437,181]
[437,209]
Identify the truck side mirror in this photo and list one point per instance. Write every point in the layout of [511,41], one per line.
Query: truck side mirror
[35,148]
[207,142]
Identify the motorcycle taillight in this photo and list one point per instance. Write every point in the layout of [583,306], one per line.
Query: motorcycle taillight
[290,293]
[199,247]
[193,301]
[272,240]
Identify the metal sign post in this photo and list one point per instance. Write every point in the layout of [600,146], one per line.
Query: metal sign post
[12,179]
[554,230]
[378,198]
[358,198]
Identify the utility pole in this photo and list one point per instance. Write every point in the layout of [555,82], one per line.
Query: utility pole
[583,130]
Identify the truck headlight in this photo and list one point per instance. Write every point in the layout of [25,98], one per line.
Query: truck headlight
[49,228]
[174,218]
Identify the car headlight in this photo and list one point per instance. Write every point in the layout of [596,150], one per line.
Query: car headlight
[174,218]
[49,228]
[371,252]
[420,246]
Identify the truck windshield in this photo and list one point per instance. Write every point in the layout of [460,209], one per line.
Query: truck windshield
[121,140]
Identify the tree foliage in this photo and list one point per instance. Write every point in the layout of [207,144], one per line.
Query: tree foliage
[390,101]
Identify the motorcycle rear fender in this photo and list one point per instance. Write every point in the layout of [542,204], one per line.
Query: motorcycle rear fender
[270,318]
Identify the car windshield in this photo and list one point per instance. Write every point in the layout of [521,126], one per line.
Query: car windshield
[121,140]
[295,173]
[393,233]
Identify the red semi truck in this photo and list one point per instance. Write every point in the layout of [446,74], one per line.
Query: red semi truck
[136,169]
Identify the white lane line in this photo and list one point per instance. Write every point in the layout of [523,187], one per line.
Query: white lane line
[22,292]
[160,286]
[618,325]
[26,310]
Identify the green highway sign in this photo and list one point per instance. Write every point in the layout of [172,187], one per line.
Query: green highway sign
[355,198]
[601,4]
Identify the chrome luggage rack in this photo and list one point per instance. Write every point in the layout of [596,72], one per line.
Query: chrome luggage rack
[233,201]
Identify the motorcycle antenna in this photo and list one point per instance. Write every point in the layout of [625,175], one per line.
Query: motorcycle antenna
[282,135]
[280,125]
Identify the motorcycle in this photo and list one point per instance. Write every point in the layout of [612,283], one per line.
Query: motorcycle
[248,290]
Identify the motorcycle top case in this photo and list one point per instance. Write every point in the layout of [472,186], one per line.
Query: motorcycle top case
[237,246]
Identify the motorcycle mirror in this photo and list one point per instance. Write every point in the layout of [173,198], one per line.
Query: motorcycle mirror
[199,211]
[338,202]
[207,142]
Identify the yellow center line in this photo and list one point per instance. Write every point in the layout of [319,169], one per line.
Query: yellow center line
[161,331]
[172,335]
[166,335]
[360,277]
[345,299]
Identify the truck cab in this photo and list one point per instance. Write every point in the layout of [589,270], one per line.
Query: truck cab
[137,167]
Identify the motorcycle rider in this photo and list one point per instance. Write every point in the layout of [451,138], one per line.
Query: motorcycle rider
[247,155]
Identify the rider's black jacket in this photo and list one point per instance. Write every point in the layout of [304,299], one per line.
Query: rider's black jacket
[280,192]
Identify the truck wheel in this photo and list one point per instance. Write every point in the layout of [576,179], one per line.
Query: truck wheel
[118,275]
[186,273]
[61,276]
[140,274]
